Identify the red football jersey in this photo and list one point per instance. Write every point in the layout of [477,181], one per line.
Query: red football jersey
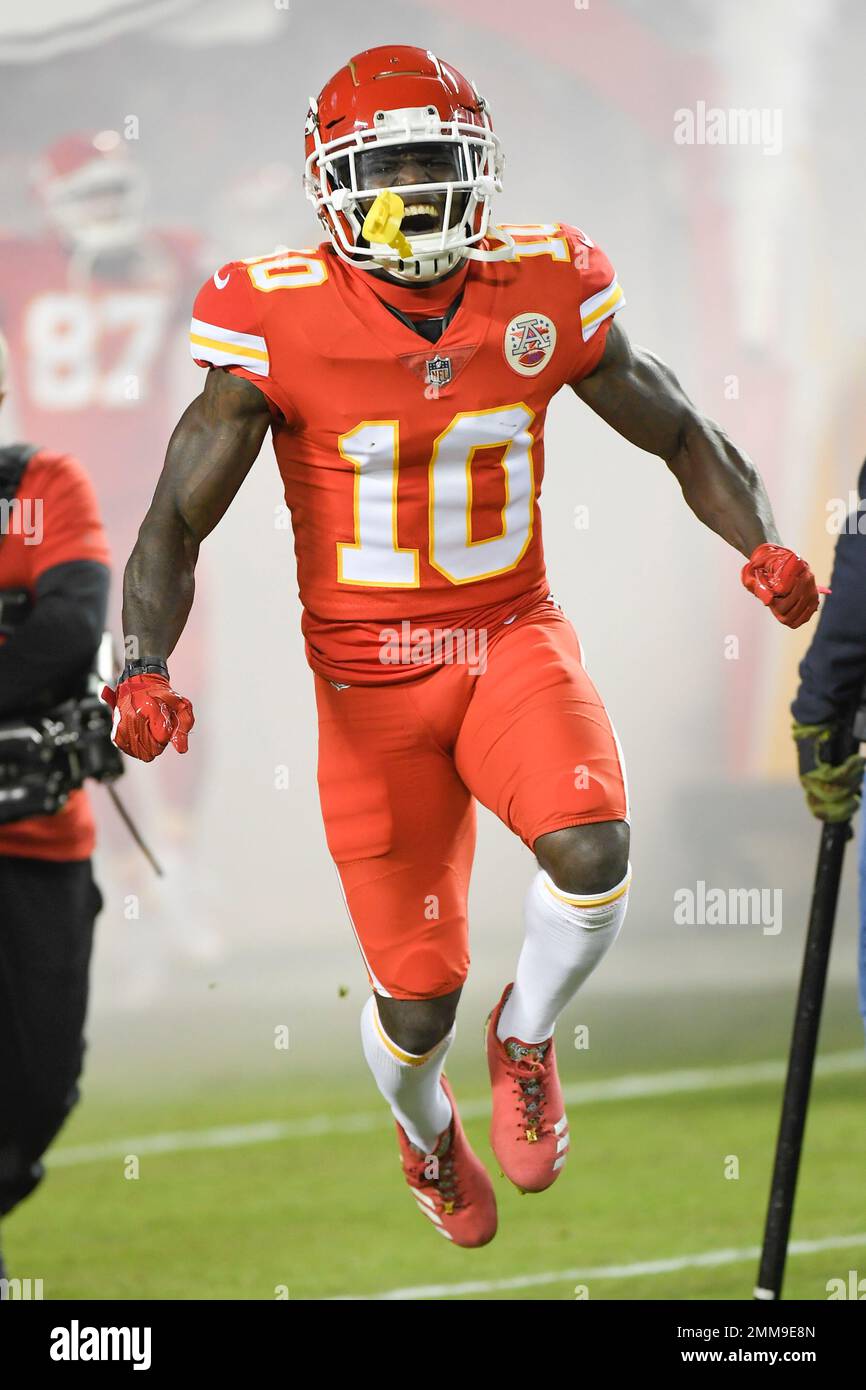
[90,360]
[412,470]
[55,492]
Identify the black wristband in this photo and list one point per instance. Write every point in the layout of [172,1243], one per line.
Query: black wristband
[143,668]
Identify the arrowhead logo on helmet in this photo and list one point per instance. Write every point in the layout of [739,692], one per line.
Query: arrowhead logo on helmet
[399,119]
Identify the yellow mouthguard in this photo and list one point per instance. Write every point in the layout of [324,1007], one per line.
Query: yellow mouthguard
[382,222]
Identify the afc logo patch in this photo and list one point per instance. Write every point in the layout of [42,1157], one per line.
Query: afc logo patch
[529,342]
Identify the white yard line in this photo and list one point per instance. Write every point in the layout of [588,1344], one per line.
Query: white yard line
[615,1088]
[709,1259]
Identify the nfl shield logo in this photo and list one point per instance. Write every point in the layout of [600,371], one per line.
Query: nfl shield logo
[438,371]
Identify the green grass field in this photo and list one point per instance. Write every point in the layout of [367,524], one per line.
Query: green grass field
[326,1214]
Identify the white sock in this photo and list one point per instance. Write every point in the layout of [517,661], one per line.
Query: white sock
[566,937]
[410,1084]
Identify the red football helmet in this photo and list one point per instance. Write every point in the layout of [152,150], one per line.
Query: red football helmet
[399,118]
[92,191]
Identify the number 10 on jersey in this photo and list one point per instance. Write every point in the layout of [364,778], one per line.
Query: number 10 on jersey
[373,447]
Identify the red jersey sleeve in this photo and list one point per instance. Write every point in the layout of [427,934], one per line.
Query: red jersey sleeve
[227,331]
[600,296]
[71,527]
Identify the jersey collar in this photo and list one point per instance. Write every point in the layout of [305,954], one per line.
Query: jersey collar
[416,303]
[469,327]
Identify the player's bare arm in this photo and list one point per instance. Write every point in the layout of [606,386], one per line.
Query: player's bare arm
[211,451]
[213,447]
[640,396]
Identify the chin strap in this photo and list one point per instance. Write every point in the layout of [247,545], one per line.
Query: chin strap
[503,252]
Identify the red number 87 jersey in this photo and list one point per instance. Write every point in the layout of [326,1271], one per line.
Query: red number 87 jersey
[412,470]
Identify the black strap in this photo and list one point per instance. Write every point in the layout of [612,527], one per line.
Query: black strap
[152,667]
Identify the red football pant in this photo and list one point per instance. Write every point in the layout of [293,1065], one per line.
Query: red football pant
[399,766]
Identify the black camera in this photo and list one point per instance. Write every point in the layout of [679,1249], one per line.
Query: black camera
[45,757]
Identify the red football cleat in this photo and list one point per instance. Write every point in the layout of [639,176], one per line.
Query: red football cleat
[529,1129]
[451,1186]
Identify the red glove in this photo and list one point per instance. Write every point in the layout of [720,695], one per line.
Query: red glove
[782,581]
[148,716]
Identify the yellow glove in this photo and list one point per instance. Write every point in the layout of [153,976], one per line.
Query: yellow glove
[833,790]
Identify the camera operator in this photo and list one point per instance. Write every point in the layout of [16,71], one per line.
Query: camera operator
[54,581]
[832,676]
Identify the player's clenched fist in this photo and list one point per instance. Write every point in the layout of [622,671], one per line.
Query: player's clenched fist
[783,581]
[148,714]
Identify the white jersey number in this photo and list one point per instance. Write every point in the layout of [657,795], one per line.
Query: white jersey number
[85,352]
[376,558]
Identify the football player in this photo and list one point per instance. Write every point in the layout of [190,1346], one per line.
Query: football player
[90,309]
[404,369]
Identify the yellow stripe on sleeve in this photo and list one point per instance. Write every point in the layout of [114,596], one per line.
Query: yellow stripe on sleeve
[603,309]
[228,348]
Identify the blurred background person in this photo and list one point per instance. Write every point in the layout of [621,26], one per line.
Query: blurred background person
[92,306]
[54,579]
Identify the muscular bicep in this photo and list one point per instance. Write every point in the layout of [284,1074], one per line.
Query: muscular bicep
[638,395]
[214,446]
